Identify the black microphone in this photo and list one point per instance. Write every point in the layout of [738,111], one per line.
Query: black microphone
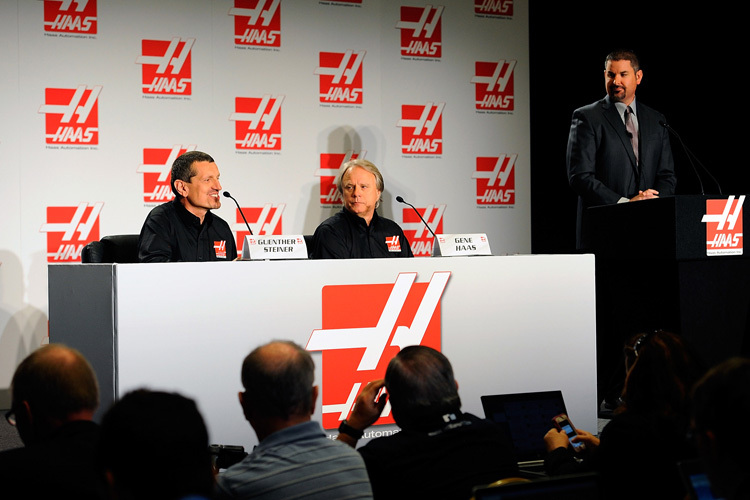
[690,156]
[401,200]
[226,193]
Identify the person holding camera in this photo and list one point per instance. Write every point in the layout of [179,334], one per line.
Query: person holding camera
[440,451]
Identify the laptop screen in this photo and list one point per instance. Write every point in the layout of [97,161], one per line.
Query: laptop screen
[526,418]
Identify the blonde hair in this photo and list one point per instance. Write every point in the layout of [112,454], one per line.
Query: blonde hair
[365,165]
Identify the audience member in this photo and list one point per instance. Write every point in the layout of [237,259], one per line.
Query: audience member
[185,229]
[640,447]
[357,231]
[439,452]
[721,406]
[54,395]
[294,458]
[154,445]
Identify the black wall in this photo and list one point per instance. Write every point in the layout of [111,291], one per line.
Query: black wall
[693,73]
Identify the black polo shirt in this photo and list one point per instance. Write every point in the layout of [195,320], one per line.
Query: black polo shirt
[347,236]
[172,234]
[445,463]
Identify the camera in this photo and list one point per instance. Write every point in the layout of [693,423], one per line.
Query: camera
[224,456]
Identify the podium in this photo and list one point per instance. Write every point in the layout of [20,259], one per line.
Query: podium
[654,269]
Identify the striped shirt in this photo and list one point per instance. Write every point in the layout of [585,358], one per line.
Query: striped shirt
[297,462]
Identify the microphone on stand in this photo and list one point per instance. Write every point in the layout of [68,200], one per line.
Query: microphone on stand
[690,156]
[401,200]
[226,194]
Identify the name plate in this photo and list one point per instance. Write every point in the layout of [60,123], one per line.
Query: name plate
[453,245]
[274,247]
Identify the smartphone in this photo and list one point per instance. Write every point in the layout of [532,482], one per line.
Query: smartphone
[563,423]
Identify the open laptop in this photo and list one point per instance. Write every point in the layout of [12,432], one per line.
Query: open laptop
[526,418]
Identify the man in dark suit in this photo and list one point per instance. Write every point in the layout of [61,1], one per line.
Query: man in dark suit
[617,150]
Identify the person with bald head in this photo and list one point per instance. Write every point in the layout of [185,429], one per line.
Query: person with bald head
[294,457]
[357,231]
[54,394]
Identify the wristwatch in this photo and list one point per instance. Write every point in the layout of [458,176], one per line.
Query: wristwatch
[347,429]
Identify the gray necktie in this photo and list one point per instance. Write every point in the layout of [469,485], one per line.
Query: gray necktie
[630,126]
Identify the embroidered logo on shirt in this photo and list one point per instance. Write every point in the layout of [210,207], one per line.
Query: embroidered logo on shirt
[220,247]
[393,244]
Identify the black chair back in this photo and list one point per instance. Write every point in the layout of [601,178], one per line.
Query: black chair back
[118,248]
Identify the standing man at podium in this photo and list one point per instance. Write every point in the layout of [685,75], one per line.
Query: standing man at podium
[185,229]
[358,232]
[617,150]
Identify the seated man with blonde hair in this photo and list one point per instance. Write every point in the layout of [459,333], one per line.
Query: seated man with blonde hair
[357,231]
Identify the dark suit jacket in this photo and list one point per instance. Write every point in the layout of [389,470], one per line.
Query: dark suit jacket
[601,163]
[62,466]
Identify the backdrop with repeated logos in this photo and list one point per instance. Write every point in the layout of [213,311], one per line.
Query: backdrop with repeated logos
[99,96]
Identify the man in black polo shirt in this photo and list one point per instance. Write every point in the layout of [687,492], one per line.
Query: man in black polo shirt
[440,451]
[184,229]
[358,232]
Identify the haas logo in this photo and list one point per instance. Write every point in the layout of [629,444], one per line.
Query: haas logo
[723,220]
[70,16]
[329,168]
[341,77]
[494,8]
[357,348]
[258,123]
[72,115]
[494,85]
[157,172]
[417,233]
[422,129]
[263,220]
[496,183]
[257,23]
[166,66]
[421,32]
[69,229]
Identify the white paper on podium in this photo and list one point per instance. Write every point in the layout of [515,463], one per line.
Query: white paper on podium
[453,245]
[274,247]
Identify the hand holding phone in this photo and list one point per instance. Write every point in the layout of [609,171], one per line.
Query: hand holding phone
[562,423]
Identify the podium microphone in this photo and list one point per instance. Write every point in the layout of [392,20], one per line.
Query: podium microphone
[226,194]
[401,200]
[690,156]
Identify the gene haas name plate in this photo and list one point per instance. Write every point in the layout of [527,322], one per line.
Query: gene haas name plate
[452,245]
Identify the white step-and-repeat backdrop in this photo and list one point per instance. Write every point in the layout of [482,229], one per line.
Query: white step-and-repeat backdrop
[99,96]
